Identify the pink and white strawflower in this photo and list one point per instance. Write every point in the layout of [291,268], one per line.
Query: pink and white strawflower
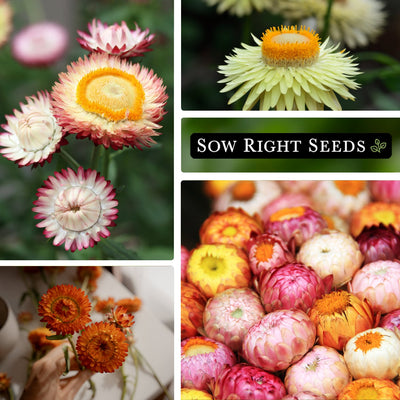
[391,320]
[40,44]
[332,253]
[111,101]
[228,316]
[291,286]
[304,396]
[76,208]
[280,339]
[203,359]
[246,382]
[379,283]
[32,135]
[387,191]
[321,371]
[117,40]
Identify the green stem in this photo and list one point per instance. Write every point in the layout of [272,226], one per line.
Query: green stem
[106,163]
[136,362]
[69,159]
[124,379]
[35,12]
[11,393]
[164,389]
[97,150]
[327,18]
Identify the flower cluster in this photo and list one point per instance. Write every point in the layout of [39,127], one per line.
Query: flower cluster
[287,304]
[103,96]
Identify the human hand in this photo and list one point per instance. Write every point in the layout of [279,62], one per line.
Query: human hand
[46,381]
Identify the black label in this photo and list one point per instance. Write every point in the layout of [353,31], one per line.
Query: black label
[291,145]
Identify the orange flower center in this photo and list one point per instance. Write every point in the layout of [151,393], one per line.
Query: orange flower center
[244,190]
[102,347]
[111,93]
[287,213]
[334,302]
[351,188]
[65,309]
[230,231]
[264,251]
[290,47]
[368,341]
[199,346]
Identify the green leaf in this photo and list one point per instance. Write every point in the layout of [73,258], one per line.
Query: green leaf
[56,337]
[383,145]
[375,149]
[117,251]
[377,142]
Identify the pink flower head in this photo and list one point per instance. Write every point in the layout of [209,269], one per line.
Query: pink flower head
[40,45]
[267,251]
[32,135]
[387,191]
[280,339]
[110,100]
[184,260]
[298,223]
[76,208]
[379,243]
[117,40]
[292,286]
[246,382]
[203,359]
[391,320]
[305,396]
[379,283]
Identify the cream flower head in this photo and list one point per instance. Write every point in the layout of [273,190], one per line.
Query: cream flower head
[352,22]
[289,70]
[5,21]
[241,8]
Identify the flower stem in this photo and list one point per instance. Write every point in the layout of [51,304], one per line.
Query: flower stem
[164,389]
[327,18]
[136,362]
[69,159]
[124,379]
[34,12]
[96,154]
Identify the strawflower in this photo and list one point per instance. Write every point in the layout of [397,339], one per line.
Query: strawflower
[39,342]
[231,226]
[110,100]
[371,389]
[352,22]
[121,317]
[371,354]
[89,276]
[214,189]
[391,320]
[241,8]
[32,134]
[375,213]
[305,395]
[102,347]
[203,359]
[117,40]
[5,21]
[338,316]
[387,191]
[104,306]
[184,260]
[213,268]
[40,44]
[65,309]
[5,382]
[289,69]
[132,304]
[76,208]
[194,394]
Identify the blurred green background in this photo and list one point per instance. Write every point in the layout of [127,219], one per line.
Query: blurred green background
[143,179]
[291,125]
[208,37]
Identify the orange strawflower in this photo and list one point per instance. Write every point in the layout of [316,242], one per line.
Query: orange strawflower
[38,339]
[375,214]
[25,316]
[102,347]
[104,306]
[131,304]
[121,317]
[216,188]
[338,316]
[5,382]
[65,309]
[233,226]
[370,388]
[91,274]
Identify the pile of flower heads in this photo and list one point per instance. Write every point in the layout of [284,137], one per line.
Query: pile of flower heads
[293,292]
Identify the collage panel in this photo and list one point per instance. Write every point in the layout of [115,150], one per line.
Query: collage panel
[86,140]
[290,288]
[290,55]
[86,332]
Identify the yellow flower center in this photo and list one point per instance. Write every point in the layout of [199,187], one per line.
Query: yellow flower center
[264,252]
[368,341]
[351,188]
[385,216]
[244,190]
[213,265]
[368,392]
[111,93]
[290,47]
[287,213]
[334,302]
[199,346]
[230,231]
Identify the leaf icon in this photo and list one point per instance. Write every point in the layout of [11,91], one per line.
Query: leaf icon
[383,145]
[375,149]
